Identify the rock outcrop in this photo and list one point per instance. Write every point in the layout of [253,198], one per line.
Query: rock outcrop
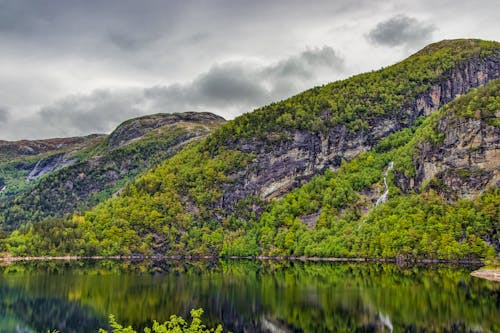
[466,163]
[136,128]
[49,164]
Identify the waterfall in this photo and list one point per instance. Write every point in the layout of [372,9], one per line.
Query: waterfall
[383,197]
[386,321]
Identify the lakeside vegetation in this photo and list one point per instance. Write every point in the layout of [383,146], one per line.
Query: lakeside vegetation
[175,324]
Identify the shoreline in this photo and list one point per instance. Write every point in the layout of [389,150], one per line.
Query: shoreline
[260,258]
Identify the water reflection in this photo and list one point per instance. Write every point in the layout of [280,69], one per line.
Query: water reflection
[248,296]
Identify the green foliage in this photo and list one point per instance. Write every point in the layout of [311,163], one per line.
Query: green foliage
[176,207]
[414,225]
[481,104]
[153,215]
[176,324]
[100,172]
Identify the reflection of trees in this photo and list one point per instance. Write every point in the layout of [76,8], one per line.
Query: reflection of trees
[250,296]
[44,313]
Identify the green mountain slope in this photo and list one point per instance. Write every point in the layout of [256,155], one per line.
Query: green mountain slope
[18,160]
[62,181]
[340,214]
[222,194]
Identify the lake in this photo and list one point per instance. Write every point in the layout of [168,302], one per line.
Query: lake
[248,296]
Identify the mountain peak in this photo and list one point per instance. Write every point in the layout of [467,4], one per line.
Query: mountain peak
[457,45]
[137,127]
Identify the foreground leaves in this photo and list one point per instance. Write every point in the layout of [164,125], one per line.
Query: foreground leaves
[176,324]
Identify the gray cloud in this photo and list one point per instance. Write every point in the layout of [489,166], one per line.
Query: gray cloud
[218,55]
[228,89]
[236,87]
[305,64]
[131,42]
[4,114]
[96,112]
[401,30]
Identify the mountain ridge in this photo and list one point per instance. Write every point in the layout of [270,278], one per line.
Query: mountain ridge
[252,185]
[57,182]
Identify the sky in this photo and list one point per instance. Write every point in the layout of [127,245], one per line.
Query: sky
[70,68]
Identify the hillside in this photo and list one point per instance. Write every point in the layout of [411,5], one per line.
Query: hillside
[63,176]
[22,162]
[10,150]
[227,194]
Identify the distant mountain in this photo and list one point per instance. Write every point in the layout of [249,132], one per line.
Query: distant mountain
[10,150]
[58,176]
[385,164]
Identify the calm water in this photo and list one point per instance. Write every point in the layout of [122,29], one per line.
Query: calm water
[248,296]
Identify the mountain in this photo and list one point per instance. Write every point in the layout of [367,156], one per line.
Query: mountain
[19,159]
[10,150]
[429,191]
[368,166]
[58,176]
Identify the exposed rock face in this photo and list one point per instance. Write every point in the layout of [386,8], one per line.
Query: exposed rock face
[135,128]
[468,160]
[49,164]
[285,165]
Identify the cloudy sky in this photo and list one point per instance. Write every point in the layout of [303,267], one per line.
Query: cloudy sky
[71,67]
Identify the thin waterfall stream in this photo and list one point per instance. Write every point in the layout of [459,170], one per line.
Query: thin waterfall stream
[383,197]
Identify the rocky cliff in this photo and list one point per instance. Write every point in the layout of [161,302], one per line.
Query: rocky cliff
[282,166]
[136,128]
[466,159]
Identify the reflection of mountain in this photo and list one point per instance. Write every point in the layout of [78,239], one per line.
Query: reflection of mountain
[22,312]
[10,324]
[249,296]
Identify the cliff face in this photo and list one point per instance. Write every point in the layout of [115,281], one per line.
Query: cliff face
[49,164]
[467,161]
[281,167]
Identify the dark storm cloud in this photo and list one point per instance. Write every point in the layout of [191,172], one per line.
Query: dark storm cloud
[401,30]
[4,114]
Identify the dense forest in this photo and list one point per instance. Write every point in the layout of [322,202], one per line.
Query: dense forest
[182,207]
